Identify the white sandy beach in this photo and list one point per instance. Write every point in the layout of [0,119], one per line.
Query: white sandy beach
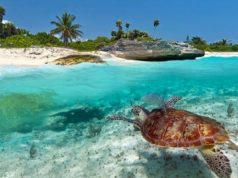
[221,54]
[37,55]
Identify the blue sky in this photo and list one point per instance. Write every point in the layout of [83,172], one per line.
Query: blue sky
[210,19]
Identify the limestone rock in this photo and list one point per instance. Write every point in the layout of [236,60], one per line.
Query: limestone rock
[157,50]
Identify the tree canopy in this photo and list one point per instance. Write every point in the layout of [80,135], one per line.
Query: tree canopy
[66,28]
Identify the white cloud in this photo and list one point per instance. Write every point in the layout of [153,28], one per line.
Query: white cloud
[6,21]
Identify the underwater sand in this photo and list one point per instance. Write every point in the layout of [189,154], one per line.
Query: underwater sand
[53,118]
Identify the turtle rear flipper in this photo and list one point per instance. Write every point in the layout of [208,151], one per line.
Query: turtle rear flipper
[217,161]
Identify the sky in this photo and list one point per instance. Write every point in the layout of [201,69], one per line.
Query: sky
[210,19]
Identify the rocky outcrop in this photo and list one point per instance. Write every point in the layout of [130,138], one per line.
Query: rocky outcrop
[153,50]
[77,59]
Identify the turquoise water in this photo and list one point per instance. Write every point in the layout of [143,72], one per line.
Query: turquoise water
[31,97]
[113,85]
[43,91]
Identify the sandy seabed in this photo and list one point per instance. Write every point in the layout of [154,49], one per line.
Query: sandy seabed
[115,150]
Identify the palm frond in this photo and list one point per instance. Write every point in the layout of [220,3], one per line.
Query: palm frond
[66,27]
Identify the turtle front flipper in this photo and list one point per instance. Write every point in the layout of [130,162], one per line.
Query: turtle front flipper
[137,123]
[217,161]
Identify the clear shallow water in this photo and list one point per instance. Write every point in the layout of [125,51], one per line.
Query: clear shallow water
[37,92]
[52,88]
[38,98]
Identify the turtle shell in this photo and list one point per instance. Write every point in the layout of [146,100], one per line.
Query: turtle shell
[180,128]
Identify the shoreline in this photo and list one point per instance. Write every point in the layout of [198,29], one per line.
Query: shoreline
[38,56]
[221,54]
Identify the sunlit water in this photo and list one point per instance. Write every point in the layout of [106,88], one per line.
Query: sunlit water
[30,96]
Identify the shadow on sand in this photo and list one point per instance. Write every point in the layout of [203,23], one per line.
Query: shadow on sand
[168,165]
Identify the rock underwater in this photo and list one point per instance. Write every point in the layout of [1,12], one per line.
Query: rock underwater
[157,50]
[77,59]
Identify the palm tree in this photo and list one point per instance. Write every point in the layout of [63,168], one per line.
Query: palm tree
[113,33]
[127,26]
[9,29]
[156,24]
[66,28]
[198,40]
[119,25]
[224,42]
[2,13]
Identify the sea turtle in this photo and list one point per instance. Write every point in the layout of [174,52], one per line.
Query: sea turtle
[170,127]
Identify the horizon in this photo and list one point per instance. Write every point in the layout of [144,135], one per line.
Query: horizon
[177,19]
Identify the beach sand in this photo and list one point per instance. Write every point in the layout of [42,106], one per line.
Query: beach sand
[36,56]
[221,54]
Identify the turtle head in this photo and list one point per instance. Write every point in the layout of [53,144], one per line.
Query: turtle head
[140,112]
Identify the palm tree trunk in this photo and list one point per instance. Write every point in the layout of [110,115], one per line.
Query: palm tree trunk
[65,42]
[155,32]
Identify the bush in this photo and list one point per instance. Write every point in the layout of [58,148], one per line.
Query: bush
[9,29]
[91,45]
[24,41]
[84,46]
[47,39]
[18,41]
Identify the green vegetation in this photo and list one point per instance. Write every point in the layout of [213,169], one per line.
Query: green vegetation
[2,13]
[24,41]
[46,39]
[92,45]
[13,37]
[17,41]
[127,25]
[66,28]
[222,45]
[131,35]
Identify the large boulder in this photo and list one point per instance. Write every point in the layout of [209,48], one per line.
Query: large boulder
[153,50]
